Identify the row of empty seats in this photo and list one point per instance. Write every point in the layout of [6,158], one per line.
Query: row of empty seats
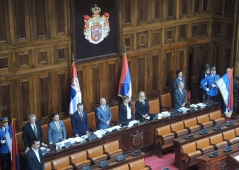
[136,165]
[193,149]
[165,134]
[85,158]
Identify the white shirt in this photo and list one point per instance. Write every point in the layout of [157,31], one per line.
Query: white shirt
[128,112]
[37,154]
[33,126]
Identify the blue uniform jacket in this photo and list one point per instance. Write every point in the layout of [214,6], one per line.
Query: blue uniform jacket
[4,147]
[209,80]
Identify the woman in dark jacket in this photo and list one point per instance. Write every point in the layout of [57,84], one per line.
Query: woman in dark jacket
[142,107]
[125,111]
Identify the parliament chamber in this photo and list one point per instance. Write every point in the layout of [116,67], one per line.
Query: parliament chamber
[41,39]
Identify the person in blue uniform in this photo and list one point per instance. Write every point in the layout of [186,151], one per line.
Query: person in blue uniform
[209,84]
[5,144]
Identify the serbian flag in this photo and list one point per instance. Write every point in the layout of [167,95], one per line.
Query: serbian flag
[75,95]
[15,157]
[125,87]
[225,85]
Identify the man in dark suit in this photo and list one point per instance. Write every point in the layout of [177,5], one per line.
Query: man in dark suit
[56,130]
[125,112]
[79,121]
[31,131]
[34,157]
[103,115]
[179,96]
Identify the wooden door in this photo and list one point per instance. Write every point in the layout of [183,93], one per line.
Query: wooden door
[197,62]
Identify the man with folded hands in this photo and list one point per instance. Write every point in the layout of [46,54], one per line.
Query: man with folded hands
[179,96]
[56,130]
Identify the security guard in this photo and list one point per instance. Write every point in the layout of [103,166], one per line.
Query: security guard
[5,144]
[209,84]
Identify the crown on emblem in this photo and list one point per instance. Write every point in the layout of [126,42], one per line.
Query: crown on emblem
[96,9]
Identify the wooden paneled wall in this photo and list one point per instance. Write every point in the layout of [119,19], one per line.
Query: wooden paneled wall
[36,44]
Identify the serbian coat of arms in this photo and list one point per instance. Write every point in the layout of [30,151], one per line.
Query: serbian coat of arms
[97,27]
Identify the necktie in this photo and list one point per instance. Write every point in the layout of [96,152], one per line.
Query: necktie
[58,126]
[104,108]
[81,115]
[35,130]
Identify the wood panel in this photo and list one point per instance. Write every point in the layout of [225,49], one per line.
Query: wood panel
[4,22]
[36,46]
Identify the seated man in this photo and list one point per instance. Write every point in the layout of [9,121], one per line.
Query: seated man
[103,115]
[179,96]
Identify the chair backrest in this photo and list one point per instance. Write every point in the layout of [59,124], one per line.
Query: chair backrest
[44,132]
[136,165]
[60,162]
[111,146]
[190,122]
[122,167]
[229,134]
[203,118]
[154,106]
[163,130]
[114,111]
[67,123]
[94,152]
[216,139]
[20,144]
[166,100]
[202,143]
[92,120]
[215,115]
[78,157]
[237,131]
[48,165]
[188,148]
[177,126]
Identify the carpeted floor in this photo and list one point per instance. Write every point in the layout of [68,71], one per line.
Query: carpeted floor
[167,161]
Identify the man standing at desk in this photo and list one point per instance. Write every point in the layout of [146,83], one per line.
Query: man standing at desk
[5,144]
[34,157]
[79,121]
[31,131]
[56,130]
[103,115]
[179,96]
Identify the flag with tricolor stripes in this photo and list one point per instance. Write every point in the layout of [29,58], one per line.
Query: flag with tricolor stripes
[125,87]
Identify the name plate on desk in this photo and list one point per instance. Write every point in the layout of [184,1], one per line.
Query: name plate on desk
[137,152]
[120,158]
[68,144]
[86,168]
[92,137]
[103,163]
[190,136]
[214,154]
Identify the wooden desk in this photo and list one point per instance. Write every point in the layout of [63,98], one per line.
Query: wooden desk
[137,137]
[232,163]
[178,142]
[219,162]
[113,162]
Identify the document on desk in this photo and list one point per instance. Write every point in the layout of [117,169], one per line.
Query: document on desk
[237,157]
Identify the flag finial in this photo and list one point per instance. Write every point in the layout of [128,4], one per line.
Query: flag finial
[125,48]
